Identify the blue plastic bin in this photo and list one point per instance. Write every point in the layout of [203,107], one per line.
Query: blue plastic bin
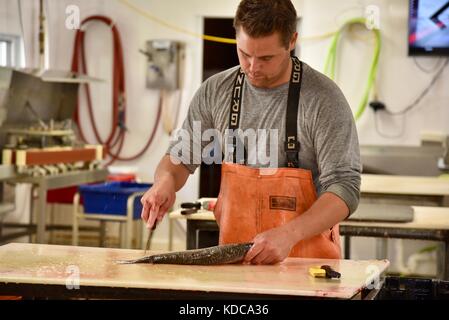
[112,197]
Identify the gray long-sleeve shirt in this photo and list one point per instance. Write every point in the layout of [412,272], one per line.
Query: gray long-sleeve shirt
[326,129]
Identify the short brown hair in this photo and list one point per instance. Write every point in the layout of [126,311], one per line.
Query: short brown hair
[264,17]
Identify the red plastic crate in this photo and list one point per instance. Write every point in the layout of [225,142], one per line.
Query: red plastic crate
[62,195]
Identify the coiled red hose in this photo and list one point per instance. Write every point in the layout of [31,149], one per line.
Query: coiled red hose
[116,136]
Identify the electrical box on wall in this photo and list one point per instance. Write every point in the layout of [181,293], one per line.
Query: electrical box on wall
[165,64]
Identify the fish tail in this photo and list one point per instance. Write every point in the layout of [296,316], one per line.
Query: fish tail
[148,259]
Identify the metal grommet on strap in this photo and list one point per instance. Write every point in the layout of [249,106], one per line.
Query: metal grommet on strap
[291,150]
[291,144]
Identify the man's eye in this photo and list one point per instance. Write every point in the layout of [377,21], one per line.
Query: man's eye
[266,58]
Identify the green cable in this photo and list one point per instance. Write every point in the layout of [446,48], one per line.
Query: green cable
[329,67]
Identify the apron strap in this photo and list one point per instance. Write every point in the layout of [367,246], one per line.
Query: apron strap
[292,145]
[291,133]
[234,118]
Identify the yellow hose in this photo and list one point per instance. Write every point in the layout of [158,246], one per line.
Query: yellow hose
[329,67]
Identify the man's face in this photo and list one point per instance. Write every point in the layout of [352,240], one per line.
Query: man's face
[264,60]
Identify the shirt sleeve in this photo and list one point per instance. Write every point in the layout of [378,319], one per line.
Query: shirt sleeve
[186,146]
[337,147]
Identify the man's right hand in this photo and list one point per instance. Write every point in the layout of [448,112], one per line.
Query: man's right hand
[157,201]
[169,178]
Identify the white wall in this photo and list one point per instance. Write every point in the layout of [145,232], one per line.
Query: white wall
[399,80]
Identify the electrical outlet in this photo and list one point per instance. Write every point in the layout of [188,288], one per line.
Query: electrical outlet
[377,105]
[165,59]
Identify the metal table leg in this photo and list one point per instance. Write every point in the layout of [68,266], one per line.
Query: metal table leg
[347,252]
[443,261]
[30,237]
[75,226]
[122,234]
[41,205]
[102,233]
[381,248]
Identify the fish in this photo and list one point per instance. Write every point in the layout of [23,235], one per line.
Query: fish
[222,254]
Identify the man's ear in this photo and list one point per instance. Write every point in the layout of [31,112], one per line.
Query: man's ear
[293,41]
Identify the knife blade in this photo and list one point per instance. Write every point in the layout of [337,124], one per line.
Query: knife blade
[150,235]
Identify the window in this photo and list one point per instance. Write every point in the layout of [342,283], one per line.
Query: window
[4,53]
[10,51]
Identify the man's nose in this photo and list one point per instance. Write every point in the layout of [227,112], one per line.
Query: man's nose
[254,65]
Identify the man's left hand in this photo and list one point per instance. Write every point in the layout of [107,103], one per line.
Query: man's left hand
[270,247]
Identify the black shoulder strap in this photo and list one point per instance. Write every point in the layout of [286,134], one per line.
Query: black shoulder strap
[291,133]
[291,141]
[236,102]
[234,119]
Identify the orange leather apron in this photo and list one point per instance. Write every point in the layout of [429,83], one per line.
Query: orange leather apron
[253,200]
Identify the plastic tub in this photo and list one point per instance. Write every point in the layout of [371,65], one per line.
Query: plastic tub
[112,197]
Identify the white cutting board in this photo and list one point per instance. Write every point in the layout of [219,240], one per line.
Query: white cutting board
[51,264]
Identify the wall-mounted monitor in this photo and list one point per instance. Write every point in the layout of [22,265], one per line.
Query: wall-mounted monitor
[428,27]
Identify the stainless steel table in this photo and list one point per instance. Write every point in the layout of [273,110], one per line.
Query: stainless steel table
[45,183]
[429,223]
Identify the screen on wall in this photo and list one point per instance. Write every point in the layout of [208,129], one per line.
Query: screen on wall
[428,27]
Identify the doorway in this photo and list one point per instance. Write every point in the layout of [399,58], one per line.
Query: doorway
[217,57]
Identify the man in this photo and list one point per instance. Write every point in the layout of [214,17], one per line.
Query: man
[317,145]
